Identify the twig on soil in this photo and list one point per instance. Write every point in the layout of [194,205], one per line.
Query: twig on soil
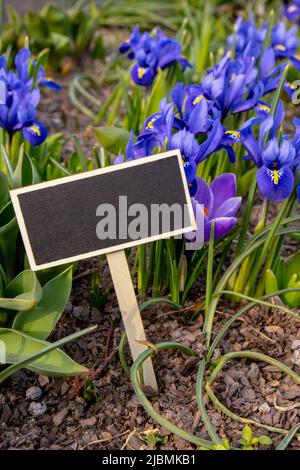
[99,441]
[285,408]
[108,340]
[79,385]
[84,274]
[196,421]
[256,330]
[128,439]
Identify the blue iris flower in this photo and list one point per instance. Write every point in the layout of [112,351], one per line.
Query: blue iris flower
[151,53]
[189,148]
[19,99]
[277,160]
[292,11]
[285,43]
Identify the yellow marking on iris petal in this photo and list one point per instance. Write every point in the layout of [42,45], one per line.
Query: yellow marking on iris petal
[292,86]
[150,123]
[276,177]
[229,54]
[233,133]
[263,107]
[49,79]
[198,99]
[280,47]
[297,56]
[36,130]
[141,72]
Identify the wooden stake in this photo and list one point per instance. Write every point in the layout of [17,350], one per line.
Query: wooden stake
[130,311]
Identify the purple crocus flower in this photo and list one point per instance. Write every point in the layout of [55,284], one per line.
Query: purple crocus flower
[218,204]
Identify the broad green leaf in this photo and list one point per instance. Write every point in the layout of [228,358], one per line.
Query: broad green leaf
[25,174]
[158,93]
[19,346]
[293,266]
[270,282]
[40,321]
[23,292]
[56,19]
[9,231]
[113,139]
[6,163]
[3,189]
[247,434]
[35,25]
[265,440]
[292,299]
[60,41]
[281,274]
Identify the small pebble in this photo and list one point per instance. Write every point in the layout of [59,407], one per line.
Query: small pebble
[33,393]
[88,422]
[43,380]
[296,357]
[264,408]
[296,344]
[37,409]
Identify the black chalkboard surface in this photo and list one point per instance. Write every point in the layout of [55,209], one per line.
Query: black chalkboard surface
[64,220]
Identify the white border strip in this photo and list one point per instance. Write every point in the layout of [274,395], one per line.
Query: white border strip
[14,194]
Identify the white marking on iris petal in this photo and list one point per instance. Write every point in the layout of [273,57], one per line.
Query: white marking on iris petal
[275,175]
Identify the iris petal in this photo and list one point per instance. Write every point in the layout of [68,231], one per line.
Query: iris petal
[36,133]
[275,185]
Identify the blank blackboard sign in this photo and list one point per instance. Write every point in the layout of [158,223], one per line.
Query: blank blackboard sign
[61,220]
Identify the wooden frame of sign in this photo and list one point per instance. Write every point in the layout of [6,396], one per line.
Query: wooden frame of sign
[59,220]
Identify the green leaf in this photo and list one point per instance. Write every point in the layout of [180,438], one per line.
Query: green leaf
[158,93]
[80,153]
[3,189]
[60,41]
[40,321]
[7,164]
[39,356]
[35,25]
[271,284]
[27,284]
[281,274]
[9,231]
[293,266]
[113,139]
[265,440]
[22,293]
[292,298]
[247,434]
[154,300]
[288,438]
[25,173]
